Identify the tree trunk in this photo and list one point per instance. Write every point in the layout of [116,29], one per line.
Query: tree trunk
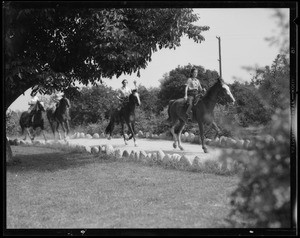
[9,155]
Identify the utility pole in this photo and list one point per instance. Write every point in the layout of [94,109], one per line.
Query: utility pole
[220,65]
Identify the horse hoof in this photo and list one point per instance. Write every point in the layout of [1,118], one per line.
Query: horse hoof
[109,138]
[174,145]
[135,145]
[205,150]
[180,147]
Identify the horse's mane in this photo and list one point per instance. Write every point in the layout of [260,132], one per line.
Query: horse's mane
[211,88]
[66,103]
[38,107]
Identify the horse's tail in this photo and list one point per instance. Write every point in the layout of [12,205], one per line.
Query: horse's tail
[23,120]
[109,128]
[169,108]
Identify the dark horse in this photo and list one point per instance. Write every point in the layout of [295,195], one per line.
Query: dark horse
[26,120]
[202,111]
[125,115]
[60,116]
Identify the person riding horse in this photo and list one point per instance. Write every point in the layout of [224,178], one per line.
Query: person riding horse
[55,98]
[192,89]
[124,92]
[32,102]
[58,113]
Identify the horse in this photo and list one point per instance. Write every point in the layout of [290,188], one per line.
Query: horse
[125,115]
[60,116]
[202,111]
[26,121]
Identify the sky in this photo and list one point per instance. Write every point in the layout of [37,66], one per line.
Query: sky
[242,32]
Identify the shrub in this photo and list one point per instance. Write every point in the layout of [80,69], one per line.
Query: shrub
[262,199]
[150,122]
[12,123]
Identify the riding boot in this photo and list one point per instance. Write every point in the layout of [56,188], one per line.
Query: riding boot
[189,113]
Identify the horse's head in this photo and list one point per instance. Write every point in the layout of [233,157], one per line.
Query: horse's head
[225,95]
[64,103]
[135,97]
[39,107]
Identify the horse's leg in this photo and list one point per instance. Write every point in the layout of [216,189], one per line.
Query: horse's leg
[216,128]
[132,134]
[56,128]
[181,126]
[202,137]
[67,126]
[52,127]
[33,134]
[44,135]
[131,128]
[174,135]
[23,133]
[123,132]
[28,132]
[112,126]
[64,129]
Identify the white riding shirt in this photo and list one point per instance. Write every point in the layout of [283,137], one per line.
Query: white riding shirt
[125,91]
[193,84]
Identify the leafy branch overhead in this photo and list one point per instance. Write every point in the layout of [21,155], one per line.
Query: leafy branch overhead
[51,48]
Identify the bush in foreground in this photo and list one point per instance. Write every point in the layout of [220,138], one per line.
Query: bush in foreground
[262,199]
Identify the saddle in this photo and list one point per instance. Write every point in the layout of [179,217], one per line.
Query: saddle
[198,97]
[123,103]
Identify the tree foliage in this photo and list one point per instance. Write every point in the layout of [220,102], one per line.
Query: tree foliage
[274,84]
[93,105]
[12,122]
[150,101]
[249,107]
[49,48]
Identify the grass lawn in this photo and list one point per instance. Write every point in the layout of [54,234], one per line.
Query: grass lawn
[52,188]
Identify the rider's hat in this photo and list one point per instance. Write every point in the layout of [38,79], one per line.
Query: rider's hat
[124,80]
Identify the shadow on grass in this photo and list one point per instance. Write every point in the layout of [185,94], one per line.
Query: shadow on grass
[49,159]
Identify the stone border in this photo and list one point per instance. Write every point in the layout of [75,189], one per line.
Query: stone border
[175,161]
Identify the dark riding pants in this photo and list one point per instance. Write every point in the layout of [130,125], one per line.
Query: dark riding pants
[191,96]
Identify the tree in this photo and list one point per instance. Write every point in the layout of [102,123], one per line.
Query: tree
[281,36]
[150,101]
[93,105]
[249,107]
[51,47]
[274,84]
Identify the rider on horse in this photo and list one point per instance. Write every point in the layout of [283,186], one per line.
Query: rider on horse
[55,98]
[192,89]
[32,102]
[124,92]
